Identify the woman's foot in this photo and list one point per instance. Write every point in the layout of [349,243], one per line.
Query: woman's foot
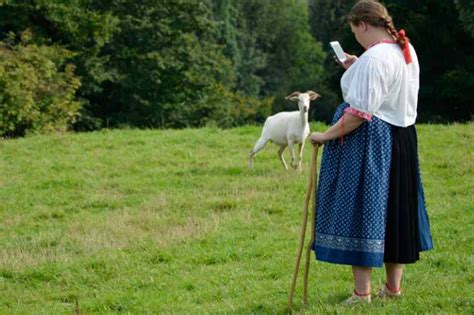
[357,298]
[387,292]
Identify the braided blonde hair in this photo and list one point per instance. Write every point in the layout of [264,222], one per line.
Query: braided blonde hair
[374,13]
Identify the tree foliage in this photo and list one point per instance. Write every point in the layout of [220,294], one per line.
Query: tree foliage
[159,63]
[466,14]
[167,65]
[271,48]
[37,87]
[439,32]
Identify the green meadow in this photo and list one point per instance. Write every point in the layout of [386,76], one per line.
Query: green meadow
[173,221]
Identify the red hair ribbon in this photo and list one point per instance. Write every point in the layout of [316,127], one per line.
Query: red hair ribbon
[406,46]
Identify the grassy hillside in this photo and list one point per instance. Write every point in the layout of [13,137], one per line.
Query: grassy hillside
[173,221]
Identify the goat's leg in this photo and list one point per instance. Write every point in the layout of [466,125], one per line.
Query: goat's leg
[292,152]
[300,156]
[258,147]
[280,155]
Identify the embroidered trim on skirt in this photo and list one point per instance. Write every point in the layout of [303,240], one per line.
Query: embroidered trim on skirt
[353,195]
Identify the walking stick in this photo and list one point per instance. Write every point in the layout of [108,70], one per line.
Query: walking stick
[313,176]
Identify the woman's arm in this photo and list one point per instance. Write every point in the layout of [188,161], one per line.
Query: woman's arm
[345,125]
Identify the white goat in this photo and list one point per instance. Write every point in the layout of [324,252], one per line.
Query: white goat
[286,129]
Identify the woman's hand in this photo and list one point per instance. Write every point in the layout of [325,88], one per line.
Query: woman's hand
[317,138]
[350,59]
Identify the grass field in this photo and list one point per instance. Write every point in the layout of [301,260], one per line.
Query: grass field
[172,221]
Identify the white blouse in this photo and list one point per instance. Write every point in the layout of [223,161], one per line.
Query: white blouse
[380,83]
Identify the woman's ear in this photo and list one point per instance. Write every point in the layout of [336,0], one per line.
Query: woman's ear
[364,26]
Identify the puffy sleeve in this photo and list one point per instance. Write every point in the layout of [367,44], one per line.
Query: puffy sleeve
[368,88]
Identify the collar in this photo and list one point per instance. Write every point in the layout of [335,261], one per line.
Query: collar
[385,41]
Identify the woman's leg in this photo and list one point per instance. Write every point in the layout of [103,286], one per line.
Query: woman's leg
[394,275]
[362,279]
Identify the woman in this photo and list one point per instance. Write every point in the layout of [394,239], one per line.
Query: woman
[371,207]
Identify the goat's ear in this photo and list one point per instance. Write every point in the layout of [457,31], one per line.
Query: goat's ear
[293,96]
[313,95]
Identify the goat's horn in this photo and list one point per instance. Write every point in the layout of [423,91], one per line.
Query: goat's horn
[296,93]
[313,93]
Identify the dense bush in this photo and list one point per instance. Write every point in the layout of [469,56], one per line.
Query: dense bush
[37,87]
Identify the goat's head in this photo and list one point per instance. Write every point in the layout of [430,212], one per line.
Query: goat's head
[303,99]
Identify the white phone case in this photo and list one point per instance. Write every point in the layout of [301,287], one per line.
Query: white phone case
[338,51]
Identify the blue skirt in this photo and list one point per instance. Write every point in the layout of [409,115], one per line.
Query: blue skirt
[353,195]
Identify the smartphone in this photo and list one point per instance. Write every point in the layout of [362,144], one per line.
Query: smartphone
[338,51]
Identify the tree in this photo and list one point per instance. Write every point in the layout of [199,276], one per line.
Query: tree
[270,47]
[445,53]
[37,87]
[466,14]
[328,22]
[437,29]
[75,24]
[151,63]
[167,66]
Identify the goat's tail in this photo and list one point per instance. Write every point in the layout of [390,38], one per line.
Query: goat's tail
[261,142]
[250,160]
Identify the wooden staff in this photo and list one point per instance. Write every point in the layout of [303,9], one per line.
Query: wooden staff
[313,177]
